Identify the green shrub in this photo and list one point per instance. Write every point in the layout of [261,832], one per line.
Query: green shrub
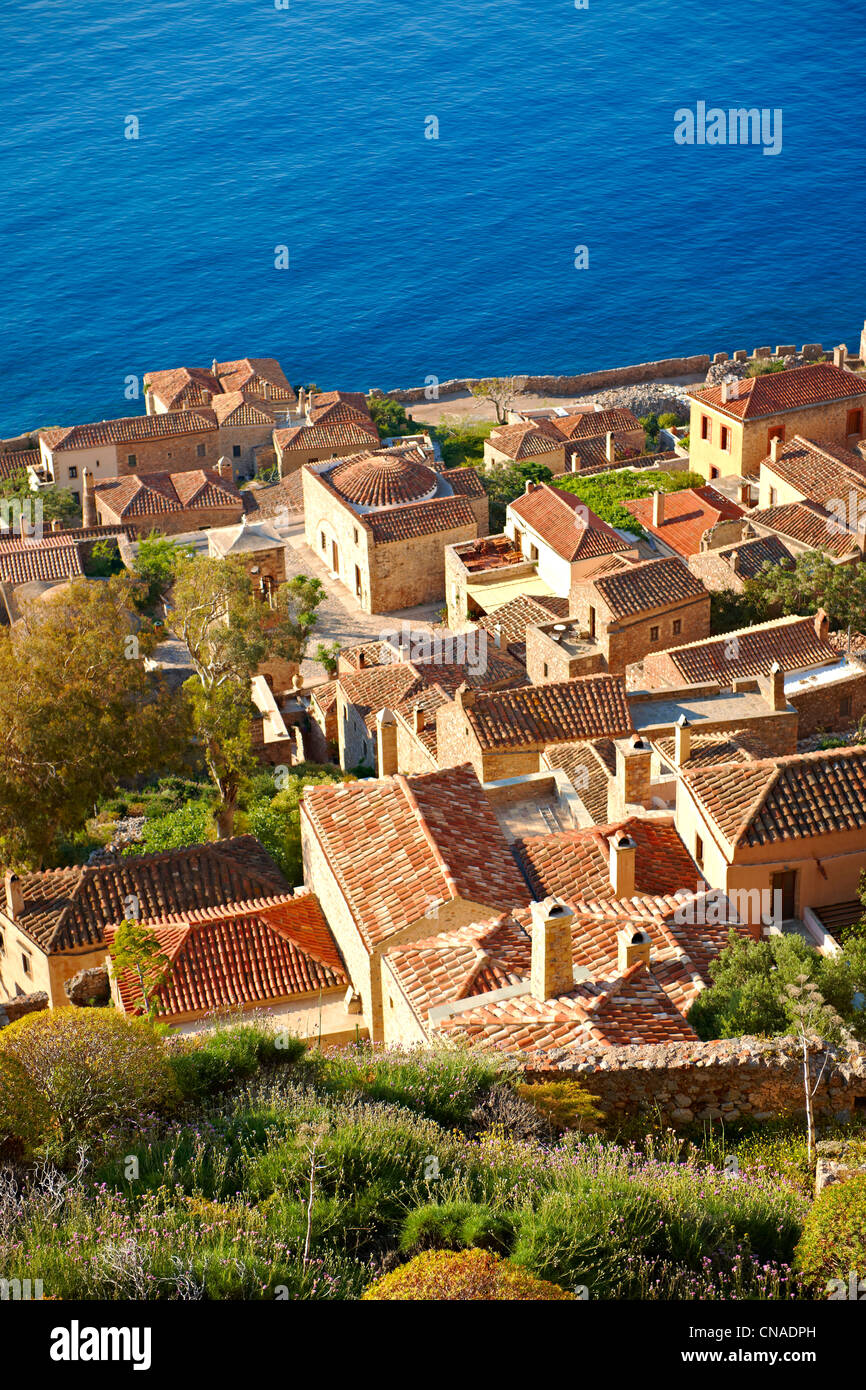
[211,1062]
[25,1117]
[833,1242]
[443,1085]
[94,1068]
[564,1104]
[443,1275]
[456,1226]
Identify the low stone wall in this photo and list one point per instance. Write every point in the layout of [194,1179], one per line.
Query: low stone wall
[13,1009]
[754,1078]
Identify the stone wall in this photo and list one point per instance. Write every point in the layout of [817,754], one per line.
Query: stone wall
[684,1083]
[824,706]
[13,1009]
[570,385]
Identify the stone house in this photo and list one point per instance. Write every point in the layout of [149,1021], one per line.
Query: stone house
[169,502]
[803,526]
[729,566]
[398,859]
[31,566]
[53,923]
[380,521]
[640,608]
[187,388]
[553,437]
[793,826]
[329,425]
[136,444]
[733,424]
[504,733]
[246,425]
[561,536]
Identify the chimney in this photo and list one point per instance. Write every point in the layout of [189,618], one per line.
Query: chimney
[386,743]
[736,563]
[609,448]
[839,355]
[206,397]
[734,393]
[223,467]
[214,366]
[418,719]
[623,853]
[632,946]
[744,492]
[465,696]
[529,486]
[775,688]
[88,501]
[552,969]
[775,447]
[658,508]
[362,660]
[302,401]
[266,390]
[311,402]
[725,391]
[631,786]
[55,525]
[822,625]
[682,741]
[497,631]
[14,896]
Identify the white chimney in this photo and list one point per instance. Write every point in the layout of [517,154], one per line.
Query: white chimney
[623,853]
[497,634]
[682,741]
[658,508]
[735,389]
[609,448]
[775,447]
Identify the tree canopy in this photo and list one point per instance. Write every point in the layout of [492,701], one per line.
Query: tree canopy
[81,713]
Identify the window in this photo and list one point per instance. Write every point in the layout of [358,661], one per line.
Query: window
[533,551]
[199,451]
[845,706]
[357,581]
[236,451]
[322,541]
[855,422]
[2,943]
[774,496]
[678,626]
[654,634]
[356,535]
[592,621]
[699,851]
[707,429]
[27,965]
[73,471]
[726,439]
[714,472]
[545,670]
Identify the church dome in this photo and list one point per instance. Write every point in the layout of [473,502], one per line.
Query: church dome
[371,481]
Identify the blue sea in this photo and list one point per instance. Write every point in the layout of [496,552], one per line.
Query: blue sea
[307,127]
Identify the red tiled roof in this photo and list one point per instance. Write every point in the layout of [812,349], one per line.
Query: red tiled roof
[566,524]
[182,387]
[590,424]
[21,566]
[464,482]
[752,555]
[688,514]
[795,389]
[327,434]
[649,585]
[252,374]
[441,515]
[782,799]
[575,864]
[375,688]
[153,493]
[709,750]
[67,908]
[822,472]
[236,408]
[382,480]
[13,463]
[131,428]
[589,707]
[589,765]
[251,953]
[751,651]
[808,524]
[398,846]
[513,618]
[527,439]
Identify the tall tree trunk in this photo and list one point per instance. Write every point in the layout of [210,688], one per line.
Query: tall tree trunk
[225,816]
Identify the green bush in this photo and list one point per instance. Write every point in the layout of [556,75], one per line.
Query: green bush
[93,1068]
[25,1116]
[834,1235]
[211,1062]
[443,1085]
[442,1275]
[456,1226]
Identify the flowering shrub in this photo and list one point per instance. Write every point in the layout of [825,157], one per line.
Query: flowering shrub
[210,1062]
[469,1274]
[834,1235]
[91,1067]
[444,1085]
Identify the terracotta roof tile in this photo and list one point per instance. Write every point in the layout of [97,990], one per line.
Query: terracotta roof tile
[809,524]
[648,585]
[566,524]
[589,766]
[589,707]
[154,493]
[441,515]
[131,428]
[398,846]
[750,651]
[795,389]
[384,479]
[688,515]
[575,864]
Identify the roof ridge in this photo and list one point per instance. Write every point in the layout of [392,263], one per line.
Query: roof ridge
[403,782]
